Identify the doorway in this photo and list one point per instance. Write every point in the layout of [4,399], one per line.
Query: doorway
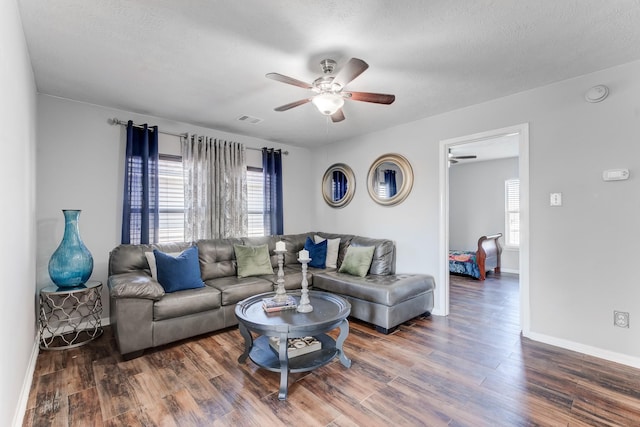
[521,133]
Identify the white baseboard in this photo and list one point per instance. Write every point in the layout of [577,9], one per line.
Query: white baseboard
[18,417]
[611,356]
[509,270]
[600,353]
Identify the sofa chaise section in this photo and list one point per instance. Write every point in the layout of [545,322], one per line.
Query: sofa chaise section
[385,301]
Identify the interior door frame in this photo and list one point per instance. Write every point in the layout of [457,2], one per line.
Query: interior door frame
[523,171]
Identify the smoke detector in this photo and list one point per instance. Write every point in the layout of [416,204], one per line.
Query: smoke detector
[597,93]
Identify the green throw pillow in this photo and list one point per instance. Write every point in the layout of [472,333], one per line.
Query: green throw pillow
[253,260]
[357,260]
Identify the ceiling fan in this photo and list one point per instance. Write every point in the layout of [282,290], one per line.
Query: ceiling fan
[329,89]
[454,159]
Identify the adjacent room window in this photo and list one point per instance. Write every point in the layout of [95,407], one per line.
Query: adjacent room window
[170,199]
[255,202]
[512,212]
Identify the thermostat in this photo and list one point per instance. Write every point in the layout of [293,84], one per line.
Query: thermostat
[615,174]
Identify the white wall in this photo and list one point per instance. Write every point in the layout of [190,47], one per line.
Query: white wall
[17,186]
[476,205]
[581,254]
[80,166]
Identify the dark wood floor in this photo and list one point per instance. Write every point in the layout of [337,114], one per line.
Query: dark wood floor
[471,368]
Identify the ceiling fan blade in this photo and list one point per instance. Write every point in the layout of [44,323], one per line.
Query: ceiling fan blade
[378,98]
[338,116]
[452,162]
[350,71]
[292,105]
[288,80]
[464,157]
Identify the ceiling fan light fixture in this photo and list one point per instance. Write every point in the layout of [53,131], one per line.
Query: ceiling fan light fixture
[328,89]
[328,103]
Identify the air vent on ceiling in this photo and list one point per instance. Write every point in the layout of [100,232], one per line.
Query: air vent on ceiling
[250,120]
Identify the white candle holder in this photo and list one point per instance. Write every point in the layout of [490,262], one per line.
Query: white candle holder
[305,304]
[281,293]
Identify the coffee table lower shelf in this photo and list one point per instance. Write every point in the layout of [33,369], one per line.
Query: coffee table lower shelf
[263,355]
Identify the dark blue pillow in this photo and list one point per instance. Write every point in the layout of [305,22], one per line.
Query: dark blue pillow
[317,253]
[179,273]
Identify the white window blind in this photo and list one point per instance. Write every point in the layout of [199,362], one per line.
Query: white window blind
[255,202]
[170,199]
[512,212]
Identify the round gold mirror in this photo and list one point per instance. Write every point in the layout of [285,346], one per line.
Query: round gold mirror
[338,185]
[390,179]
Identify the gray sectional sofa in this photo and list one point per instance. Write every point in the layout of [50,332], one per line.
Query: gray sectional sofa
[143,315]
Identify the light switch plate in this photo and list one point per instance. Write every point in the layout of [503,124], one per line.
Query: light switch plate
[555,199]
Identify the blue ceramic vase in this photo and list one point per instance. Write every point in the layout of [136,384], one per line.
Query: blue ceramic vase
[71,264]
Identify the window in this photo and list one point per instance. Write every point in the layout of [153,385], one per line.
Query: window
[512,212]
[255,202]
[170,199]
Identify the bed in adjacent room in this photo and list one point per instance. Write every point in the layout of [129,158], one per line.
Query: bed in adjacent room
[477,263]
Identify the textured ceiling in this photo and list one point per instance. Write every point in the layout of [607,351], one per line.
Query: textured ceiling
[204,62]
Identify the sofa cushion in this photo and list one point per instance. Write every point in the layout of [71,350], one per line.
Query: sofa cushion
[151,260]
[186,302]
[333,249]
[388,290]
[345,242]
[270,241]
[253,260]
[217,257]
[179,273]
[317,253]
[235,289]
[294,244]
[384,257]
[357,260]
[131,258]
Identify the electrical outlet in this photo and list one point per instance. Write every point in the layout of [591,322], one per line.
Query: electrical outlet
[621,319]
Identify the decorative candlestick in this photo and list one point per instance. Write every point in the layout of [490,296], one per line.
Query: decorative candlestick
[281,294]
[305,304]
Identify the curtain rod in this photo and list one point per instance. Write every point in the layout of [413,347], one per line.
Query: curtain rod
[116,121]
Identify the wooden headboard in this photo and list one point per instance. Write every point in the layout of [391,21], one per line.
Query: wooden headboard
[488,254]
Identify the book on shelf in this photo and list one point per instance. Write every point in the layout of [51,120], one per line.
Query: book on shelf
[297,346]
[279,308]
[271,304]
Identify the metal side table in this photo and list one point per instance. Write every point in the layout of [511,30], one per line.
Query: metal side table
[70,317]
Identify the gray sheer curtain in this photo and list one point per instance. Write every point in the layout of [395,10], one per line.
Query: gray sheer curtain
[215,191]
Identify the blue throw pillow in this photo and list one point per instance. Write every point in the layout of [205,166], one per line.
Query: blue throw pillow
[180,272]
[317,253]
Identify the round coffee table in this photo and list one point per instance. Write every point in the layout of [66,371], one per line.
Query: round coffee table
[329,312]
